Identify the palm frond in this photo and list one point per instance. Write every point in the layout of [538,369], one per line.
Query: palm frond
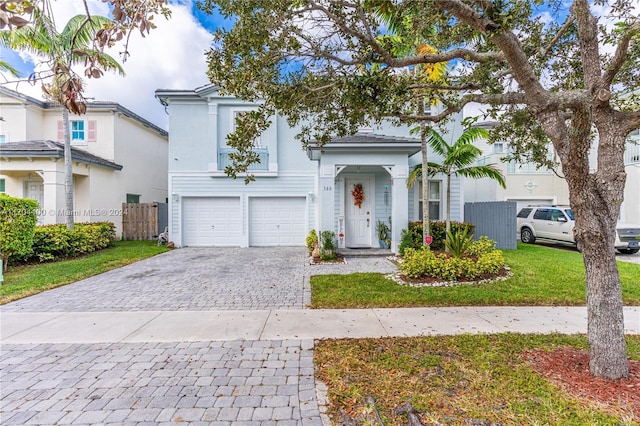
[487,171]
[437,143]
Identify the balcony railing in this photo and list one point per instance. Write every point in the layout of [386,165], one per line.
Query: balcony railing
[632,153]
[526,169]
[263,154]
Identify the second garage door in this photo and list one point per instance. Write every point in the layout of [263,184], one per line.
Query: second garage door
[277,221]
[214,221]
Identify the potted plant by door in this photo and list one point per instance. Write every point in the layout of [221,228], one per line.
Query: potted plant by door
[383,234]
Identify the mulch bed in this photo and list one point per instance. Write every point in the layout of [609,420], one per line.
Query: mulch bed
[568,368]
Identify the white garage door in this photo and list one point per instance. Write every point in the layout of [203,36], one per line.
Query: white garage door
[277,221]
[212,221]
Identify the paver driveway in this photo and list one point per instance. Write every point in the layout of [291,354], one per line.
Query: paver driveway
[244,382]
[197,279]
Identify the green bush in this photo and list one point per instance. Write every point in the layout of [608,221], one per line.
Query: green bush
[412,237]
[327,245]
[458,242]
[424,262]
[17,226]
[311,239]
[53,242]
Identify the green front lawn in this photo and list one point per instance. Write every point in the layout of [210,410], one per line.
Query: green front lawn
[462,380]
[23,281]
[541,276]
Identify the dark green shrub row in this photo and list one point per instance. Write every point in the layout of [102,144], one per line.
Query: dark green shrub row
[17,224]
[412,237]
[52,242]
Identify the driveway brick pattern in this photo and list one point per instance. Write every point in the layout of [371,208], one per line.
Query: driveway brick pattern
[266,382]
[189,279]
[235,382]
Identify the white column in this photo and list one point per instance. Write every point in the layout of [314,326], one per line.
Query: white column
[53,198]
[326,198]
[399,204]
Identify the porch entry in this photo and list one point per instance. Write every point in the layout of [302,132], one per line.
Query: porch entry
[359,219]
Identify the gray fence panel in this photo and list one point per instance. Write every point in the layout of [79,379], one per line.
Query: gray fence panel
[496,220]
[163,217]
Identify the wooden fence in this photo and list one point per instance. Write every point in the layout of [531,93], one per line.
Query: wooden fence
[142,221]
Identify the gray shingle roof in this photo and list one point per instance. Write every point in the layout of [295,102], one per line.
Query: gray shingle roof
[51,149]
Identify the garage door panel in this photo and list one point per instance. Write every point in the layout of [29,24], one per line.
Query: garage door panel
[211,221]
[277,221]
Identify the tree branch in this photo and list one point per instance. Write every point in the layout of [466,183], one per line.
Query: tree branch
[620,56]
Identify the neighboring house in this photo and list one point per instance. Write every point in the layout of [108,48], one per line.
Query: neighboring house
[527,184]
[118,157]
[295,190]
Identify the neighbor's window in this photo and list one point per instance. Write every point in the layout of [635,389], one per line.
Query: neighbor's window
[3,138]
[434,200]
[77,131]
[2,183]
[133,198]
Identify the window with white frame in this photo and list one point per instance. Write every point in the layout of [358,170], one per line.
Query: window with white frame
[434,194]
[498,147]
[236,113]
[3,138]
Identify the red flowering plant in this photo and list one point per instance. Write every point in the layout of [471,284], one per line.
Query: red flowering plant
[358,195]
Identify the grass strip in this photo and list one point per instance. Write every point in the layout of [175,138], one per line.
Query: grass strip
[456,380]
[542,276]
[27,280]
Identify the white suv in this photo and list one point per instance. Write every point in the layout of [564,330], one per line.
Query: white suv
[556,223]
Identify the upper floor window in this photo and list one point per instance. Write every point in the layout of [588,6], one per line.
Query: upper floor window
[81,131]
[498,147]
[3,138]
[77,131]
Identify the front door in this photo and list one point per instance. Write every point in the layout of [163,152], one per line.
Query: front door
[35,191]
[358,218]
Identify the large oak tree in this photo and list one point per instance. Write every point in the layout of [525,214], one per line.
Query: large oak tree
[557,70]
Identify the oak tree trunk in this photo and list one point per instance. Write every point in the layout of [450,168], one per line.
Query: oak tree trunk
[595,199]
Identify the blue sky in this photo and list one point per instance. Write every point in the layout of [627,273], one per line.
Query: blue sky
[170,57]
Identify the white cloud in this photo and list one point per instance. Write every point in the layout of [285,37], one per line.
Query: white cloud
[171,56]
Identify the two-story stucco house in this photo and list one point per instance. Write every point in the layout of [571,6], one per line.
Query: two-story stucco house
[118,157]
[295,190]
[527,184]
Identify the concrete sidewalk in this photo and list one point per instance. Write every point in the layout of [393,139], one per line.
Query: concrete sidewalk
[295,324]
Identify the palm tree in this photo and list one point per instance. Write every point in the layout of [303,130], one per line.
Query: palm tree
[405,42]
[72,46]
[458,160]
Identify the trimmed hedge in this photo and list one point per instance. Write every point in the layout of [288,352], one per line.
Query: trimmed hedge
[52,242]
[412,237]
[17,224]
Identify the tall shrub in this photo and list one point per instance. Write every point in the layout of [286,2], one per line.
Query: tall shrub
[17,225]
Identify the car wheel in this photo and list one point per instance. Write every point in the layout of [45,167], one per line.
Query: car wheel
[526,236]
[628,251]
